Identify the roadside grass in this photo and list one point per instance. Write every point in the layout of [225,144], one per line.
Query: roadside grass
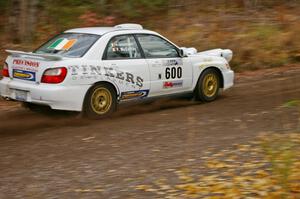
[294,104]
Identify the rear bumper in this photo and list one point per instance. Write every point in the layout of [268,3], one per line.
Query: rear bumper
[228,76]
[56,96]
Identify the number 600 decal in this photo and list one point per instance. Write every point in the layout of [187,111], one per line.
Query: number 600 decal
[173,72]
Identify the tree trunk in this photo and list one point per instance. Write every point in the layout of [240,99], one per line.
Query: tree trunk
[22,20]
[23,17]
[32,19]
[13,21]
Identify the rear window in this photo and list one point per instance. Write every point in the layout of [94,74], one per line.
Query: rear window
[68,44]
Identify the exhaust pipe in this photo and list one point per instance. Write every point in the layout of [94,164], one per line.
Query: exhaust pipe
[7,98]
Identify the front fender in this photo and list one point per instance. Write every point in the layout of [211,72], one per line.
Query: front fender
[200,64]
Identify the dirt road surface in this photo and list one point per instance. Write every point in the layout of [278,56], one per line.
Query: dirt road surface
[58,155]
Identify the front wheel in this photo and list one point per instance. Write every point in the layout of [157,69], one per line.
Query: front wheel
[100,101]
[208,86]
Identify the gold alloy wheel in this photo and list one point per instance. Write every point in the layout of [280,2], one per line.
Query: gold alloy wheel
[210,85]
[101,101]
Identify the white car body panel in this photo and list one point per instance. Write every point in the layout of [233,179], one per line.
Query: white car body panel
[133,79]
[157,67]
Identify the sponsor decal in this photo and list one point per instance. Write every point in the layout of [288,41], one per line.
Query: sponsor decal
[62,44]
[173,62]
[202,66]
[134,94]
[114,74]
[26,63]
[172,84]
[170,62]
[157,63]
[207,60]
[25,75]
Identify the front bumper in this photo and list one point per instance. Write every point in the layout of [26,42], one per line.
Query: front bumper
[228,77]
[56,96]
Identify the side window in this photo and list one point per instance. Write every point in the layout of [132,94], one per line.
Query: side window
[156,47]
[122,47]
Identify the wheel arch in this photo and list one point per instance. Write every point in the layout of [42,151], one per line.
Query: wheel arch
[219,72]
[101,82]
[109,83]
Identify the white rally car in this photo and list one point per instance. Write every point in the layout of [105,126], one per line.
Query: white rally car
[93,69]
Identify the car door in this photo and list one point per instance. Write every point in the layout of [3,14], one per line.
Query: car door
[127,67]
[169,73]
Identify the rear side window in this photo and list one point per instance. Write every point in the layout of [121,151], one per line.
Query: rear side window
[122,47]
[156,47]
[68,44]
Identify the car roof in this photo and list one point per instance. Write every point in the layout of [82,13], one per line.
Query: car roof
[104,30]
[93,30]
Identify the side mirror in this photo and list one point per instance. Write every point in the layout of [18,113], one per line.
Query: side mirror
[182,53]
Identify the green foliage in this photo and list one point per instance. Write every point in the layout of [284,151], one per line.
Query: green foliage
[138,8]
[264,32]
[292,103]
[154,4]
[65,17]
[3,4]
[65,13]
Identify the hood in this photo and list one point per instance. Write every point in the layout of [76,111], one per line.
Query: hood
[225,53]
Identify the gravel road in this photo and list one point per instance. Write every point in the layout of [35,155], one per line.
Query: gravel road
[58,155]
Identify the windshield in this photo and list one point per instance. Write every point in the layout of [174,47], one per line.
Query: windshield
[68,44]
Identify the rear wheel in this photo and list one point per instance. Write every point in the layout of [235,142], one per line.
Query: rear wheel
[208,86]
[100,101]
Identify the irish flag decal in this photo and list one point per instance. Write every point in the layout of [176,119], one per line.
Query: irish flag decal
[62,44]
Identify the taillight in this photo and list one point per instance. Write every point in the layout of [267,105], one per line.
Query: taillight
[5,72]
[54,75]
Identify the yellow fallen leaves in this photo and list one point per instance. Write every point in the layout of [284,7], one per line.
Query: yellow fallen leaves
[146,188]
[261,174]
[267,168]
[295,187]
[89,190]
[215,164]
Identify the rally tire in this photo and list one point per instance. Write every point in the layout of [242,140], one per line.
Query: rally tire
[207,88]
[100,101]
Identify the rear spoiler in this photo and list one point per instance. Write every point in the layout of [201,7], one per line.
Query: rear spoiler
[16,53]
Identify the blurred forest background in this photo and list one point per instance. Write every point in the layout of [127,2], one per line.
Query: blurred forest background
[262,33]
